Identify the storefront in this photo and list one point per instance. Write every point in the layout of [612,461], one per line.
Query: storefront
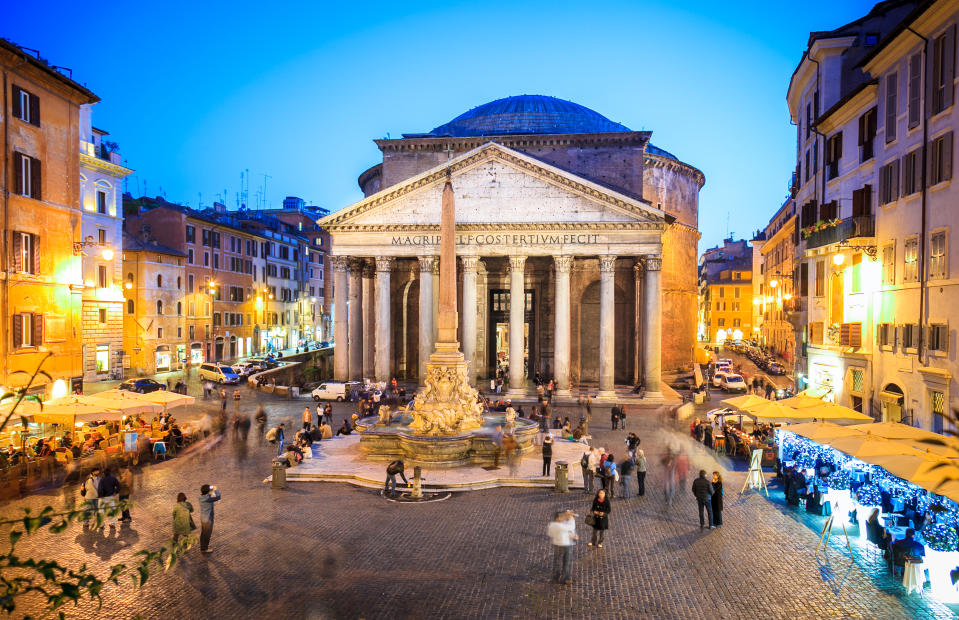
[163,358]
[196,353]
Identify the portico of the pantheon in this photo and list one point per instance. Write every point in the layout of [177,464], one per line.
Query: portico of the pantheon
[591,227]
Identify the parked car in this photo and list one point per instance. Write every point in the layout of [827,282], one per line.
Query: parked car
[142,386]
[334,391]
[267,362]
[218,373]
[718,377]
[775,368]
[244,369]
[733,383]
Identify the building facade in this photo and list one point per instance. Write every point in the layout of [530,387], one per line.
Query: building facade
[726,292]
[101,223]
[41,296]
[775,291]
[594,230]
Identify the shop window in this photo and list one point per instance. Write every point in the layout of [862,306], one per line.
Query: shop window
[103,315]
[103,359]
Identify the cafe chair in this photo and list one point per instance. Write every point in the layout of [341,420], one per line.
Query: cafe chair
[159,450]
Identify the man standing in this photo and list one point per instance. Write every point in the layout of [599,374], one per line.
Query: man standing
[640,460]
[208,495]
[280,439]
[562,533]
[614,416]
[588,470]
[107,491]
[622,416]
[394,469]
[307,418]
[703,491]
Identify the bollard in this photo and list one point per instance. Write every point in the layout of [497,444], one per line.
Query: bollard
[417,492]
[279,474]
[562,477]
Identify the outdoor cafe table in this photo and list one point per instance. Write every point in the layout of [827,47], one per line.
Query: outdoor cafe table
[913,575]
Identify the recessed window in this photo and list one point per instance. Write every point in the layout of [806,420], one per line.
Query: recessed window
[101,201]
[103,315]
[101,276]
[26,106]
[131,306]
[27,176]
[159,307]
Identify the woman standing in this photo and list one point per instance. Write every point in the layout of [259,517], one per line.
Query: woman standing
[547,453]
[600,512]
[182,521]
[717,499]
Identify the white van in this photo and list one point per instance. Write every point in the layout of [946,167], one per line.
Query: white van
[218,373]
[333,391]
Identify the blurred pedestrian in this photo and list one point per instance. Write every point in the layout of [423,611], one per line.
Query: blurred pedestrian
[236,401]
[90,491]
[717,498]
[107,491]
[223,399]
[126,490]
[208,495]
[562,533]
[600,521]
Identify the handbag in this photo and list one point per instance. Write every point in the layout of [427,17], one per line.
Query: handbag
[591,520]
[192,524]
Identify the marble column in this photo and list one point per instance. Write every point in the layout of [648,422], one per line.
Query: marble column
[426,314]
[607,324]
[355,315]
[369,319]
[652,363]
[341,348]
[563,265]
[517,315]
[384,318]
[638,276]
[468,336]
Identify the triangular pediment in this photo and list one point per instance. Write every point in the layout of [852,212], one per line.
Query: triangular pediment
[497,185]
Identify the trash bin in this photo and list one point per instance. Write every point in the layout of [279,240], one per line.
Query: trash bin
[279,473]
[562,477]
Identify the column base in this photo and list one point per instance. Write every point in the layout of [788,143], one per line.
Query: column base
[517,392]
[606,395]
[654,397]
[563,393]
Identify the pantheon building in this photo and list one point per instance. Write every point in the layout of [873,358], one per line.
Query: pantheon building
[575,241]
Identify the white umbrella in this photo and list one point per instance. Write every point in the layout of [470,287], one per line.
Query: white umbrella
[128,405]
[160,397]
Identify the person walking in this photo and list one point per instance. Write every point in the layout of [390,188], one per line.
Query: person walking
[107,491]
[632,442]
[307,418]
[236,401]
[90,491]
[547,453]
[126,490]
[640,459]
[614,417]
[588,470]
[611,476]
[208,495]
[562,533]
[543,428]
[223,399]
[182,518]
[394,469]
[717,499]
[703,492]
[600,521]
[622,416]
[624,472]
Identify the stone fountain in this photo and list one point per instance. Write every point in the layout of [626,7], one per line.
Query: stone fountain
[445,426]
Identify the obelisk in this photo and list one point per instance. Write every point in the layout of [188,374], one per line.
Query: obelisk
[446,323]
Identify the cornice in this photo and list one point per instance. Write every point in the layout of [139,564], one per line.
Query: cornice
[95,163]
[611,226]
[489,151]
[440,143]
[835,118]
[658,161]
[926,24]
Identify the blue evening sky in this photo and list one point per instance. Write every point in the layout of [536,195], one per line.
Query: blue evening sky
[196,92]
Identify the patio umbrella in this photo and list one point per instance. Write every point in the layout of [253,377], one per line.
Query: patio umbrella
[821,431]
[127,406]
[70,413]
[166,399]
[746,402]
[835,413]
[775,411]
[904,466]
[801,401]
[815,392]
[920,439]
[863,447]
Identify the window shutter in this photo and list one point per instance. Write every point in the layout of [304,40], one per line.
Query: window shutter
[18,173]
[943,337]
[17,110]
[862,129]
[37,329]
[891,105]
[36,187]
[930,87]
[894,181]
[35,243]
[947,156]
[882,185]
[17,330]
[17,252]
[949,67]
[915,89]
[35,110]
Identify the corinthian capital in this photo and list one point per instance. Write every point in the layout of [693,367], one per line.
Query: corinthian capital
[607,263]
[654,263]
[356,266]
[517,263]
[340,263]
[469,263]
[427,262]
[385,263]
[563,264]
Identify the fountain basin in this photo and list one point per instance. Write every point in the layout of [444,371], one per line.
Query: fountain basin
[397,441]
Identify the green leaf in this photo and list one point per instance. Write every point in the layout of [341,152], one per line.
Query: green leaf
[144,574]
[15,535]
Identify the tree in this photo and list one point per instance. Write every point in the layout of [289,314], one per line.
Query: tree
[51,582]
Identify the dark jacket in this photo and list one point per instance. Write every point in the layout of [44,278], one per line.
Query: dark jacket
[602,520]
[717,496]
[702,489]
[395,467]
[108,486]
[547,449]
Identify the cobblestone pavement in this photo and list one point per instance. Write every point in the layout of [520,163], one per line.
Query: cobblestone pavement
[334,551]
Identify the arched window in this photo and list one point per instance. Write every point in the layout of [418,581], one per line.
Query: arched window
[159,281]
[179,308]
[130,306]
[159,307]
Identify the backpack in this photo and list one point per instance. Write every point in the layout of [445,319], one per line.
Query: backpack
[271,434]
[584,462]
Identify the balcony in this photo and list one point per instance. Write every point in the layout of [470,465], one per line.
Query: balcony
[849,228]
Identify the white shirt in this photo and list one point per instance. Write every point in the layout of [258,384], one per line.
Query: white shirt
[593,459]
[562,533]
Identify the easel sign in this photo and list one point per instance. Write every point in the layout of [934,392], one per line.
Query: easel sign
[754,477]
